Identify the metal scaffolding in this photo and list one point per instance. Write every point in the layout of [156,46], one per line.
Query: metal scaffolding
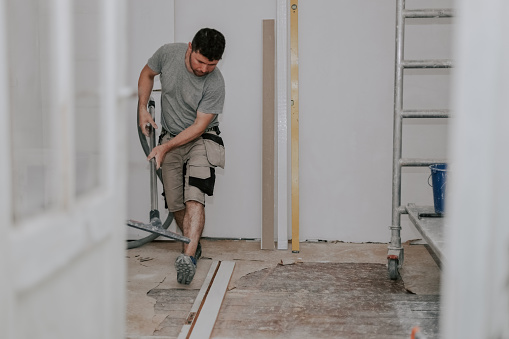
[395,253]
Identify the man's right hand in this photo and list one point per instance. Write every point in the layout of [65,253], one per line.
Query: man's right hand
[145,120]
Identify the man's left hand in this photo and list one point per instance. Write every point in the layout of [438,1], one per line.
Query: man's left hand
[158,154]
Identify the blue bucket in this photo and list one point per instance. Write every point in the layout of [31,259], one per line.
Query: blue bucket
[438,179]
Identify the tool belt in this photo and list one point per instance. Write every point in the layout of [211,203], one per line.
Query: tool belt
[209,129]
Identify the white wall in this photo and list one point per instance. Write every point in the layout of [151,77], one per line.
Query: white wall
[235,208]
[346,60]
[346,96]
[346,108]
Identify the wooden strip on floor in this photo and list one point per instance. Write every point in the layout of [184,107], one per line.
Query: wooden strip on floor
[207,313]
[198,301]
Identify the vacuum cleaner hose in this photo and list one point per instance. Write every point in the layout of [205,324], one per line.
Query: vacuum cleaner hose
[146,150]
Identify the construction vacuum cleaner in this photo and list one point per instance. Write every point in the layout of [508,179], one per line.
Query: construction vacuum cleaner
[155,226]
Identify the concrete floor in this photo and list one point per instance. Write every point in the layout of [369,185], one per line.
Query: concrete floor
[151,283]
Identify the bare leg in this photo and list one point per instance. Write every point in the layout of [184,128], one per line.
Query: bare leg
[193,223]
[179,220]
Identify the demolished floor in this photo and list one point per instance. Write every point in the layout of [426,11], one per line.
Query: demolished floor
[327,290]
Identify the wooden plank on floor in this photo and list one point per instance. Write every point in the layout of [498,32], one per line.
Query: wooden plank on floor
[207,313]
[195,309]
[269,136]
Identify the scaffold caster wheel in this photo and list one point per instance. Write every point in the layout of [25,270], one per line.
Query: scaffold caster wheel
[392,266]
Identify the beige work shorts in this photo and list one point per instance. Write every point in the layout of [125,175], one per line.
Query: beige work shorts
[187,172]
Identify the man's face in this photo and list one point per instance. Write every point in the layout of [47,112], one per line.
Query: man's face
[201,65]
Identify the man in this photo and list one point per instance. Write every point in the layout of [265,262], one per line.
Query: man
[189,147]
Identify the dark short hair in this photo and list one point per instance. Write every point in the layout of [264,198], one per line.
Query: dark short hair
[209,43]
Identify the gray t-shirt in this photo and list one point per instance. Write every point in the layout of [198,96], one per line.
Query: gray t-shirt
[183,93]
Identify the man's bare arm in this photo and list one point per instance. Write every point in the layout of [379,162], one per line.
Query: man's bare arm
[145,85]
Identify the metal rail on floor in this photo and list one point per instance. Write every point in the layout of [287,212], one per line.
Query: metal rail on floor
[395,252]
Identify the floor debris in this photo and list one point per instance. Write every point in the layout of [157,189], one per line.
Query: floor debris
[276,294]
[284,262]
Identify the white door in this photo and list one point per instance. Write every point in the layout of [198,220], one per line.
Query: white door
[475,280]
[62,169]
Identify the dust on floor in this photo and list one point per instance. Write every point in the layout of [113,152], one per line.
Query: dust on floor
[337,290]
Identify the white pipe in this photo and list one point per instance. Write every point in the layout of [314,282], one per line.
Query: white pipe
[283,212]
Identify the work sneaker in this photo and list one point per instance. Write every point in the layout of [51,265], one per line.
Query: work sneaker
[186,268]
[197,254]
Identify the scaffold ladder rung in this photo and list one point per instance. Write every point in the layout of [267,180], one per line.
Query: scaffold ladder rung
[434,113]
[405,162]
[428,13]
[438,63]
